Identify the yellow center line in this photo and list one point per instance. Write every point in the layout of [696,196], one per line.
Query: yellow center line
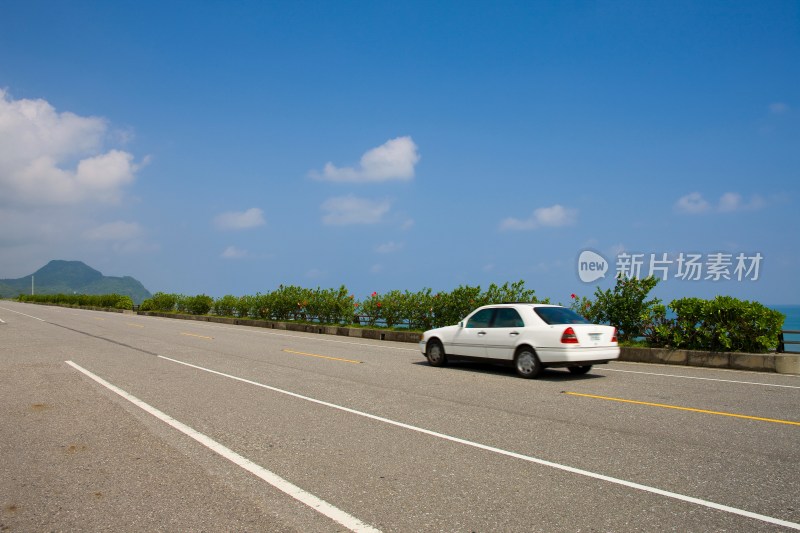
[134,325]
[194,335]
[692,409]
[324,357]
[98,318]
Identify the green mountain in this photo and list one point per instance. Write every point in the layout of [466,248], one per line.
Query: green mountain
[68,277]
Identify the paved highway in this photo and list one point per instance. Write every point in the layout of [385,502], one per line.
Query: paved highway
[122,422]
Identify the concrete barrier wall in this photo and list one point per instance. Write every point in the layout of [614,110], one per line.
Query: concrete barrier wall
[759,362]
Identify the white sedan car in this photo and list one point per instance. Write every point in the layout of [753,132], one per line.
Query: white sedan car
[532,336]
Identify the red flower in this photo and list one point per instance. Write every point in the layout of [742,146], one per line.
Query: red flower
[379,304]
[374,294]
[573,296]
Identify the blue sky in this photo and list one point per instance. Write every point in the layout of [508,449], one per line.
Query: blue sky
[230,147]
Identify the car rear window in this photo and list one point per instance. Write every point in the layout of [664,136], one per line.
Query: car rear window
[560,315]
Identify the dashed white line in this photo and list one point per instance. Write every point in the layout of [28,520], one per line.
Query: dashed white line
[319,505]
[528,458]
[23,314]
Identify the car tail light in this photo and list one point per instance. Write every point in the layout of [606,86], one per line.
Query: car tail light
[614,336]
[569,337]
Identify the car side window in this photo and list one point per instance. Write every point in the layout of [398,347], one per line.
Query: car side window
[508,318]
[481,319]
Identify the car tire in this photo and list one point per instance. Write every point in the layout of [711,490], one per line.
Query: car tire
[435,353]
[578,370]
[527,363]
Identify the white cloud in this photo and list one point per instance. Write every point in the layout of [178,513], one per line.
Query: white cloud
[692,203]
[114,231]
[778,108]
[52,158]
[316,273]
[617,249]
[553,216]
[123,237]
[251,218]
[730,202]
[389,247]
[232,252]
[393,160]
[347,210]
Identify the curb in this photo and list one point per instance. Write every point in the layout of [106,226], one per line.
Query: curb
[757,362]
[321,329]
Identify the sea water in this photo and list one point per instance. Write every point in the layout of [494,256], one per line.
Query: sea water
[792,313]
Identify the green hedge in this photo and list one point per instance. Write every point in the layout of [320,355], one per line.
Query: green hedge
[721,324]
[108,301]
[724,324]
[415,310]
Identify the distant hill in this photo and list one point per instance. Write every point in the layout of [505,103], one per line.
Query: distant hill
[68,277]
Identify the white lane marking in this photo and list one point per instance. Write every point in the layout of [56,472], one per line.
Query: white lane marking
[319,505]
[2,321]
[587,473]
[703,379]
[23,314]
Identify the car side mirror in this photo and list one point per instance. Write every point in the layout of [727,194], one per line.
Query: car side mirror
[461,324]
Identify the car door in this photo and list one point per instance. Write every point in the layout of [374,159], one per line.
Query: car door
[501,338]
[469,340]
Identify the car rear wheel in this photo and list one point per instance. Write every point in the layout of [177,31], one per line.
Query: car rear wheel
[527,364]
[435,353]
[578,370]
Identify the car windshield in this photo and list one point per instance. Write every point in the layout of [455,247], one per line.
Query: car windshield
[560,315]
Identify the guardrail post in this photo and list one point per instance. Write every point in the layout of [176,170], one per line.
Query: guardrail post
[781,347]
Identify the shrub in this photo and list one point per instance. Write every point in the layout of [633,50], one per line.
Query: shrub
[245,306]
[419,309]
[626,306]
[723,324]
[371,309]
[124,302]
[289,303]
[160,302]
[225,306]
[394,309]
[329,306]
[197,305]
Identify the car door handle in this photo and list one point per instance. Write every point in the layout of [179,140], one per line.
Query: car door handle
[514,333]
[481,333]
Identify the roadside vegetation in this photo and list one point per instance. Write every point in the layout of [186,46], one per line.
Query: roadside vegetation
[721,324]
[106,301]
[394,309]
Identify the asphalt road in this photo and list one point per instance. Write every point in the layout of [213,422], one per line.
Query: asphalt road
[128,423]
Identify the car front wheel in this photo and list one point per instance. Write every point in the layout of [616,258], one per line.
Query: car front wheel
[527,364]
[578,370]
[435,353]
